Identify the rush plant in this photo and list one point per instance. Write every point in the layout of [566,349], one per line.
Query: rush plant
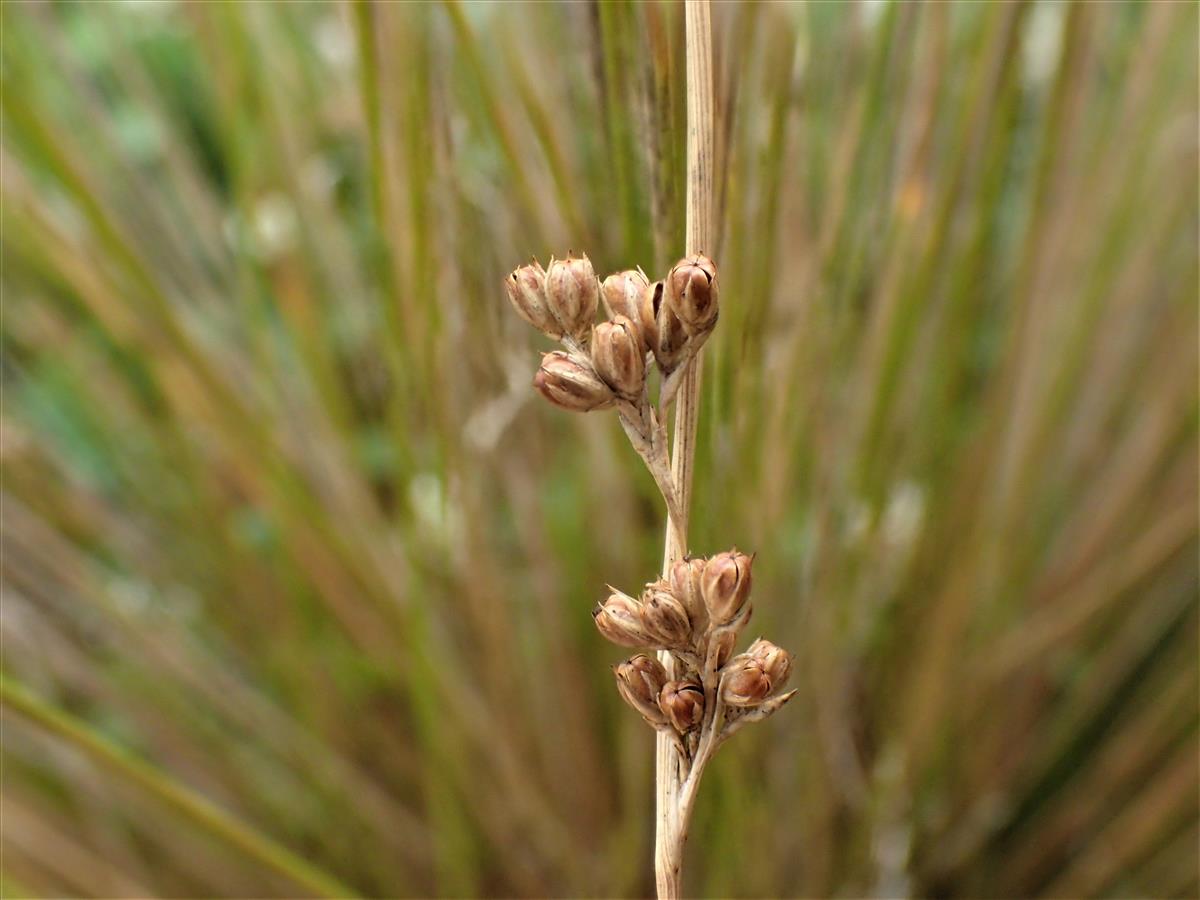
[696,692]
[295,567]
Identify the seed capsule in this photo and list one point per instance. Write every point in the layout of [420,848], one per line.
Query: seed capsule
[573,294]
[622,296]
[726,585]
[686,576]
[683,704]
[745,682]
[618,356]
[526,289]
[775,661]
[665,617]
[620,619]
[692,293]
[662,329]
[640,679]
[569,381]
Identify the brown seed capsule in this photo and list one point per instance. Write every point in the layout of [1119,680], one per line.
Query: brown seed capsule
[573,294]
[692,293]
[662,329]
[745,682]
[618,356]
[685,584]
[622,296]
[726,585]
[683,704]
[526,289]
[620,619]
[569,381]
[640,679]
[665,617]
[775,661]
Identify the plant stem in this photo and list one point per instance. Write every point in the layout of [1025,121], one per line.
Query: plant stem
[673,808]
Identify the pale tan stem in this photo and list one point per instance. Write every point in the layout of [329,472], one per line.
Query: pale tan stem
[672,816]
[649,439]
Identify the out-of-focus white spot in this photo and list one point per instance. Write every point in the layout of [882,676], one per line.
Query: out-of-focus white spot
[1043,39]
[274,225]
[905,510]
[800,58]
[428,499]
[333,41]
[872,12]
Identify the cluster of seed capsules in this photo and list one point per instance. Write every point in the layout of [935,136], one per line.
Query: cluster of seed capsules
[664,322]
[697,614]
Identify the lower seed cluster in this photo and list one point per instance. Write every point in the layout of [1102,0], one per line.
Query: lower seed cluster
[697,614]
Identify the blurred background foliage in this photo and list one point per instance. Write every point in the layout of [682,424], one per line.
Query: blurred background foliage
[297,570]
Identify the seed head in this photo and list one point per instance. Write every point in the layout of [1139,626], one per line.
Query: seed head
[726,585]
[573,294]
[620,619]
[526,289]
[618,356]
[745,682]
[662,329]
[622,296]
[692,293]
[640,679]
[570,381]
[686,576]
[683,704]
[775,661]
[665,617]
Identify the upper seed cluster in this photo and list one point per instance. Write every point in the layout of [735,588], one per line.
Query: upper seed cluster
[664,323]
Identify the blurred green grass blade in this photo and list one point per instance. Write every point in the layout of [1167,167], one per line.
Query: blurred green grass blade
[497,117]
[188,803]
[11,887]
[281,508]
[567,190]
[621,46]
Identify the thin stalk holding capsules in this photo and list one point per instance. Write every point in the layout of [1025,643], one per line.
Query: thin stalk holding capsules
[695,691]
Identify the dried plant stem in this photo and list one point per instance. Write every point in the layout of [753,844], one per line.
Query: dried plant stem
[648,435]
[675,790]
